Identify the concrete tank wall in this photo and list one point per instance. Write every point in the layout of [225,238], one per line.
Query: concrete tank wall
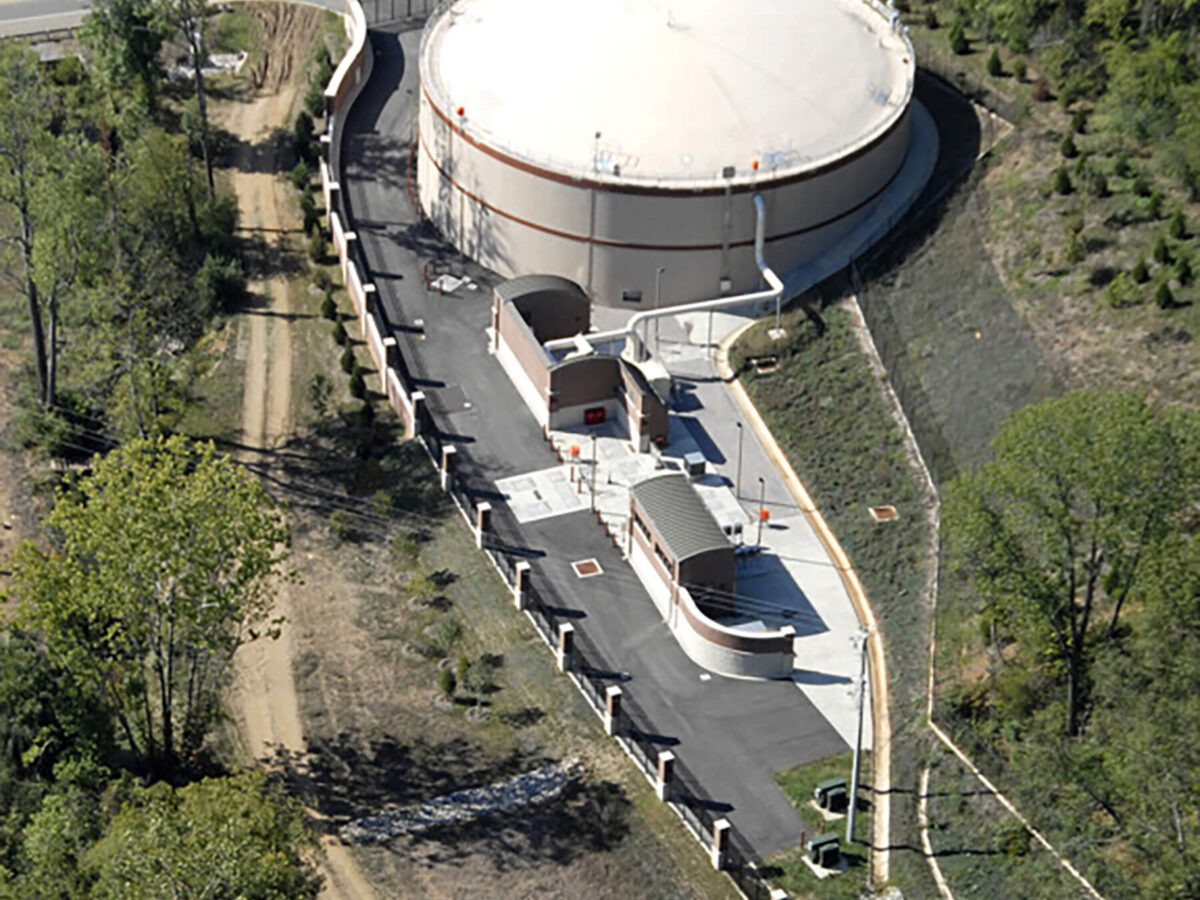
[611,237]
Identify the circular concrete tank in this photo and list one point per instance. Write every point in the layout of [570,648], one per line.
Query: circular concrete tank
[604,140]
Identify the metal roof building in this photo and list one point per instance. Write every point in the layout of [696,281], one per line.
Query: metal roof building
[677,514]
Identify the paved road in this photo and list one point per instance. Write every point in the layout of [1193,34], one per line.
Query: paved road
[18,17]
[732,734]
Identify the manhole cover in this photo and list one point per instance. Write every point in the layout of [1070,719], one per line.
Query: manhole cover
[586,568]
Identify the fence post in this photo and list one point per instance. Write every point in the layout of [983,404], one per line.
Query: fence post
[566,646]
[418,411]
[666,775]
[720,843]
[612,709]
[520,584]
[448,454]
[483,522]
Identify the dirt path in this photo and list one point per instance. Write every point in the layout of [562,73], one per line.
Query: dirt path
[264,697]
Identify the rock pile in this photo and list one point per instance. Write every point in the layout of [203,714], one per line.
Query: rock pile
[462,807]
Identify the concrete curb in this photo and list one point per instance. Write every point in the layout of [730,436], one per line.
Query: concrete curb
[881,751]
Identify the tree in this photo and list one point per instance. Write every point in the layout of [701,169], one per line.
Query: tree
[1052,531]
[125,37]
[220,837]
[189,17]
[1062,181]
[957,38]
[160,567]
[994,68]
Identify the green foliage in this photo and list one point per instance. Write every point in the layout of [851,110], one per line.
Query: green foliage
[1123,291]
[1177,226]
[348,362]
[957,38]
[1020,68]
[301,176]
[339,330]
[341,525]
[1062,181]
[162,565]
[220,284]
[1052,532]
[1140,271]
[68,72]
[1097,183]
[1068,148]
[479,676]
[1154,205]
[1163,298]
[1079,121]
[358,384]
[993,64]
[318,247]
[931,19]
[447,683]
[221,837]
[1160,252]
[125,37]
[308,211]
[304,138]
[446,635]
[1183,271]
[329,311]
[1141,185]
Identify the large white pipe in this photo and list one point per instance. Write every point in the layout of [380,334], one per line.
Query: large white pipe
[773,292]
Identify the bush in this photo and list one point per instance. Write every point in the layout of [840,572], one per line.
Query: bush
[329,311]
[348,361]
[217,222]
[958,38]
[1097,184]
[1079,121]
[993,64]
[308,211]
[1140,271]
[447,683]
[447,634]
[1161,253]
[1154,205]
[1122,292]
[358,384]
[1041,90]
[1163,298]
[339,524]
[339,331]
[1141,186]
[1068,148]
[1020,68]
[304,137]
[300,176]
[1121,168]
[314,100]
[321,279]
[1183,271]
[931,19]
[318,247]
[220,284]
[68,71]
[1177,227]
[478,677]
[1062,181]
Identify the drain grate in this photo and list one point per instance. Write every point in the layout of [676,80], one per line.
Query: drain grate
[883,513]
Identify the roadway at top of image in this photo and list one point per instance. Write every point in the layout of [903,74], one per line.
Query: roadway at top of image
[32,17]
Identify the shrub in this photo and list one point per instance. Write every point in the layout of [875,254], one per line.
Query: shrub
[1161,252]
[447,634]
[447,683]
[1020,68]
[461,666]
[1154,205]
[318,247]
[220,284]
[303,135]
[1041,90]
[1068,148]
[1141,186]
[993,64]
[1163,298]
[1183,271]
[902,6]
[1097,184]
[339,524]
[1122,292]
[1140,271]
[329,311]
[314,100]
[68,71]
[931,19]
[478,677]
[1062,181]
[300,176]
[358,384]
[958,38]
[339,332]
[308,211]
[1121,168]
[1177,227]
[348,361]
[1079,121]
[321,279]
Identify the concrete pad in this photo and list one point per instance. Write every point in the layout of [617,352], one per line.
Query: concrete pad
[541,495]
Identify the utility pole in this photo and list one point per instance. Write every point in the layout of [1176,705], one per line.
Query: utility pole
[762,499]
[862,694]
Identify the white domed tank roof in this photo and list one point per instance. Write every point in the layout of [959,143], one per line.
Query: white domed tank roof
[677,90]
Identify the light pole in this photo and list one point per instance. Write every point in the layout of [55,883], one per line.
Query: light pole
[737,484]
[762,499]
[658,274]
[862,693]
[594,473]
